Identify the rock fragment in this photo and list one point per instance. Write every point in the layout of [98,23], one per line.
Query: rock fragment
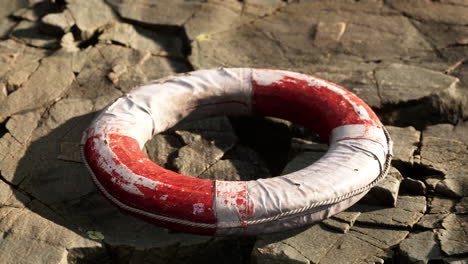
[278,253]
[19,228]
[68,43]
[444,146]
[70,151]
[162,12]
[59,22]
[412,186]
[406,141]
[29,33]
[141,39]
[431,221]
[456,222]
[420,247]
[57,68]
[328,33]
[453,242]
[444,149]
[312,243]
[362,243]
[462,206]
[439,205]
[342,221]
[161,148]
[11,154]
[270,39]
[9,7]
[234,170]
[400,82]
[454,185]
[408,211]
[22,125]
[197,156]
[385,193]
[90,15]
[444,12]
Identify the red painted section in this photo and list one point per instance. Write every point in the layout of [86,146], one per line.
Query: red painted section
[176,196]
[315,107]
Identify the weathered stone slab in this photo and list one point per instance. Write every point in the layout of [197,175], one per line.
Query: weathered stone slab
[29,33]
[455,183]
[328,33]
[405,142]
[462,206]
[59,22]
[453,242]
[439,205]
[277,253]
[444,147]
[234,170]
[313,243]
[18,62]
[342,221]
[412,203]
[10,154]
[21,126]
[199,153]
[6,23]
[36,239]
[362,243]
[401,83]
[431,221]
[408,211]
[412,186]
[161,147]
[162,12]
[420,247]
[10,197]
[57,68]
[90,15]
[141,39]
[456,222]
[283,39]
[445,12]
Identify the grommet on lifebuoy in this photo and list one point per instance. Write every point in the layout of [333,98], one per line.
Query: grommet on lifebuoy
[358,157]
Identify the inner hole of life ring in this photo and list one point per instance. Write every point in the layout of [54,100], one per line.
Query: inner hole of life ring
[235,148]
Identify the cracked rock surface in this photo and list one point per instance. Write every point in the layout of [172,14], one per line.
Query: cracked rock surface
[62,61]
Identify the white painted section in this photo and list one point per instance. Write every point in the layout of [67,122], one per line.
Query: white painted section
[198,208]
[267,77]
[228,212]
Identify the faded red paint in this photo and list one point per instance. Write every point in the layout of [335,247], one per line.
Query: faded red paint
[181,192]
[315,107]
[235,196]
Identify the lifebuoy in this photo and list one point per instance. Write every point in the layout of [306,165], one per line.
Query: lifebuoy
[358,157]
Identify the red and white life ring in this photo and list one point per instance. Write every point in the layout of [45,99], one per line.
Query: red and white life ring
[358,157]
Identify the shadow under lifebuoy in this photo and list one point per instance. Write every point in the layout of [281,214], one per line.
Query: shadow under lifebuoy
[51,171]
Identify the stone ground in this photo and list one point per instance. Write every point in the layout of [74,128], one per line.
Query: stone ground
[61,61]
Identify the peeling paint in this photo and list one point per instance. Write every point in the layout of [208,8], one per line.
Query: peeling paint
[198,208]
